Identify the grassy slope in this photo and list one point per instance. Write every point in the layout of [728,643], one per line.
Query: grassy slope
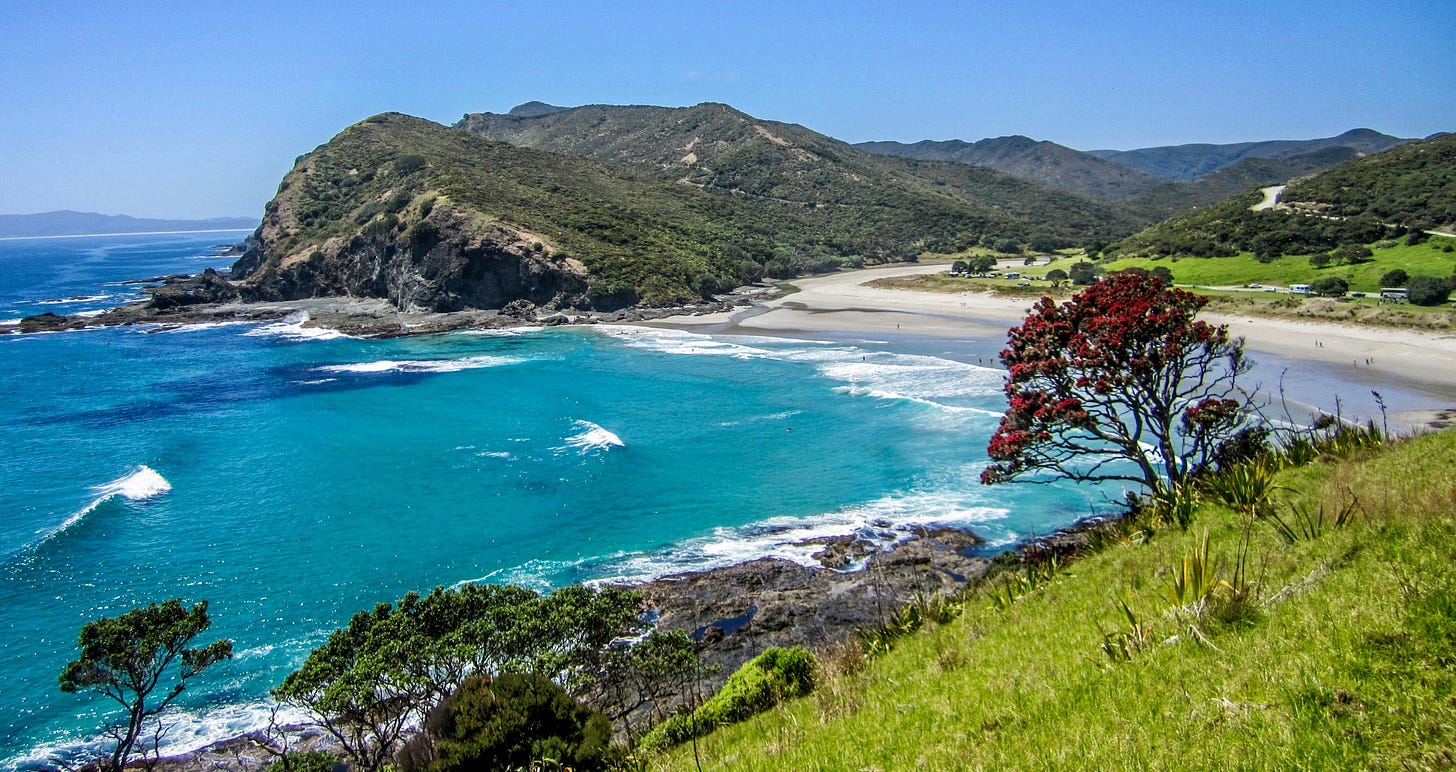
[1244,269]
[945,205]
[1349,664]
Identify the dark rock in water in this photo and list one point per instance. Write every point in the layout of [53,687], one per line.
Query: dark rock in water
[206,287]
[738,611]
[48,322]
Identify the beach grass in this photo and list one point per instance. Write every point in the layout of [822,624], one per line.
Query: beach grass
[1342,655]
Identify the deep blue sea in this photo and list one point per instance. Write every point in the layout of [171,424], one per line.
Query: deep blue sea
[293,476]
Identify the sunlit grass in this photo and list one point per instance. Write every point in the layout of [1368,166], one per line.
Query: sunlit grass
[1345,661]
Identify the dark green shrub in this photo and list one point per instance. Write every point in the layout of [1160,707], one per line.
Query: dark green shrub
[509,722]
[1395,278]
[398,201]
[423,235]
[1330,287]
[1321,260]
[1084,273]
[771,677]
[1008,247]
[409,163]
[308,761]
[1429,290]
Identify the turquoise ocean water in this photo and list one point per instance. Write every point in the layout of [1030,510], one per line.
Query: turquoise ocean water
[292,477]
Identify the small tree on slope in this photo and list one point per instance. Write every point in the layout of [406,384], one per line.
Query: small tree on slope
[1118,383]
[127,657]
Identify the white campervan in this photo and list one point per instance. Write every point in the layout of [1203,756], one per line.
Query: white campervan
[1299,289]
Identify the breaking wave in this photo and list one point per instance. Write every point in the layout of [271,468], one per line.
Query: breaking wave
[591,437]
[141,484]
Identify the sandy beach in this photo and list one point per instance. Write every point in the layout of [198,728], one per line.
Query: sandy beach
[843,303]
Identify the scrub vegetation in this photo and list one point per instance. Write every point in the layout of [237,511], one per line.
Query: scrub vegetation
[1303,619]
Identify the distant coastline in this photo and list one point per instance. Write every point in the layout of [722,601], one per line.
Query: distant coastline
[126,233]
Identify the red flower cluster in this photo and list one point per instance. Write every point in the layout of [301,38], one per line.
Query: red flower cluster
[1118,361]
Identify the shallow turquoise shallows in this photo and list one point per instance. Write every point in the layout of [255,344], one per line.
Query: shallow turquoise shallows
[292,476]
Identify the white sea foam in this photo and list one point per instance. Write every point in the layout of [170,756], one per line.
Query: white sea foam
[419,365]
[498,332]
[881,375]
[292,327]
[194,327]
[140,484]
[69,301]
[591,437]
[880,524]
[187,731]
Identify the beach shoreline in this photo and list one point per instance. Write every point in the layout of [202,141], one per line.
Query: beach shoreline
[844,303]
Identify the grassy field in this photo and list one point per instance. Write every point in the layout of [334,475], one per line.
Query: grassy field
[1429,259]
[1342,656]
[1201,274]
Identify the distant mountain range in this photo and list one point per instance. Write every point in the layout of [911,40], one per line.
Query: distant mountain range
[68,223]
[1189,162]
[1046,162]
[1156,182]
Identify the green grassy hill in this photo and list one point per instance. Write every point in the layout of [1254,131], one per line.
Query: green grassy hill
[1336,651]
[718,148]
[1376,197]
[1046,162]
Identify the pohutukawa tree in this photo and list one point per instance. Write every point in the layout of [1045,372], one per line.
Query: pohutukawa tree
[1118,383]
[127,657]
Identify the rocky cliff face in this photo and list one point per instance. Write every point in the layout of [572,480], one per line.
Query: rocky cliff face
[445,261]
[349,222]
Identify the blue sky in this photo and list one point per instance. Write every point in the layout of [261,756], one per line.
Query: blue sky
[197,109]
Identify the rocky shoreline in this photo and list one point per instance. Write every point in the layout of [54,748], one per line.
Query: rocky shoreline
[211,298]
[737,611]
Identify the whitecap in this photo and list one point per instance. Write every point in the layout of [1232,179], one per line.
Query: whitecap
[498,332]
[194,327]
[69,301]
[419,365]
[292,327]
[140,484]
[591,437]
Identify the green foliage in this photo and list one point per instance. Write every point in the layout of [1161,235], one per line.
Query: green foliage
[771,677]
[1122,644]
[1365,200]
[1084,273]
[513,721]
[1347,663]
[308,761]
[1057,276]
[375,678]
[127,657]
[1429,290]
[1394,278]
[1306,522]
[1329,286]
[1248,488]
